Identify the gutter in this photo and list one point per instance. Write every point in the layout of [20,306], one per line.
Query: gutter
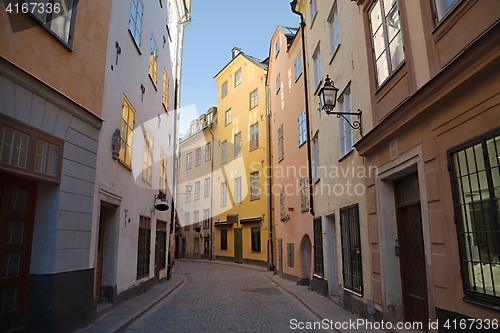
[293,5]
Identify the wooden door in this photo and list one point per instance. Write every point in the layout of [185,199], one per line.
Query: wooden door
[412,254]
[206,247]
[100,241]
[238,245]
[17,212]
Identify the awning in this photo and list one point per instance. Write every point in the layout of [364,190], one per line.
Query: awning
[251,220]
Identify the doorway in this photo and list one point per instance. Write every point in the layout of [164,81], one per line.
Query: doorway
[17,213]
[206,248]
[410,249]
[238,245]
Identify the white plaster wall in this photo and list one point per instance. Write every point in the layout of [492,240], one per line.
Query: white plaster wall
[135,197]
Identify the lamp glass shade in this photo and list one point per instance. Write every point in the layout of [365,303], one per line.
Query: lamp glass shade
[161,206]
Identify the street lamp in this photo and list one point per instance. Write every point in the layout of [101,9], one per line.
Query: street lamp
[328,99]
[162,205]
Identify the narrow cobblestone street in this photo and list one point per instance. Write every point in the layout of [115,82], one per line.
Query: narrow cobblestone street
[224,298]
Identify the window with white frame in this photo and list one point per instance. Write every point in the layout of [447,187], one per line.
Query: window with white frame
[346,132]
[208,151]
[228,117]
[302,127]
[197,190]
[237,145]
[206,187]
[254,98]
[313,8]
[163,171]
[255,185]
[189,161]
[237,190]
[237,77]
[196,220]
[197,160]
[254,136]
[277,46]
[223,152]
[153,60]
[188,222]
[206,218]
[298,66]
[223,194]
[316,167]
[278,82]
[386,37]
[281,143]
[443,7]
[135,20]
[304,197]
[334,29]
[317,67]
[224,89]
[147,161]
[188,197]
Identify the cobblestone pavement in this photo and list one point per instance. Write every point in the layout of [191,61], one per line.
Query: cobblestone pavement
[224,298]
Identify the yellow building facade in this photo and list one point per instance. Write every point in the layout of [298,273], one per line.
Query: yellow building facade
[241,163]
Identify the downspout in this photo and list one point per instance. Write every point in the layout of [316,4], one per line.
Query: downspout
[270,252]
[177,92]
[293,4]
[210,240]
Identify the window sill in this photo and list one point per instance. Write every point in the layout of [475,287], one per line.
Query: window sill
[68,44]
[129,167]
[314,19]
[135,44]
[298,77]
[251,108]
[316,181]
[254,199]
[390,77]
[347,154]
[153,82]
[281,159]
[334,54]
[257,252]
[482,302]
[318,86]
[301,144]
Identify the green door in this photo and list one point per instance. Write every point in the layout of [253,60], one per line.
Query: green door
[238,246]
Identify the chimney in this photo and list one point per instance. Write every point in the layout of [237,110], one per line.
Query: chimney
[235,51]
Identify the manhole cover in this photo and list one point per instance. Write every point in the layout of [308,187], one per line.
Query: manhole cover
[183,301]
[264,291]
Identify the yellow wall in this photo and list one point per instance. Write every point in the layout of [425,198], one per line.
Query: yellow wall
[238,100]
[76,73]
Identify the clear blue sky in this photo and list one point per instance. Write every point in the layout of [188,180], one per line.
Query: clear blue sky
[217,26]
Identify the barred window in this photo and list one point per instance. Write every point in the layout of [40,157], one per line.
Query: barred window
[161,231]
[351,249]
[318,247]
[281,147]
[304,200]
[144,247]
[475,178]
[290,255]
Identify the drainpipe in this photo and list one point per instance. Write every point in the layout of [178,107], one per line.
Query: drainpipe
[293,5]
[210,241]
[270,251]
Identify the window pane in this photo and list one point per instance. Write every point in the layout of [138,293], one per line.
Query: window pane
[397,54]
[61,24]
[378,42]
[20,155]
[376,18]
[52,159]
[382,69]
[8,299]
[15,232]
[6,144]
[10,267]
[443,6]
[18,199]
